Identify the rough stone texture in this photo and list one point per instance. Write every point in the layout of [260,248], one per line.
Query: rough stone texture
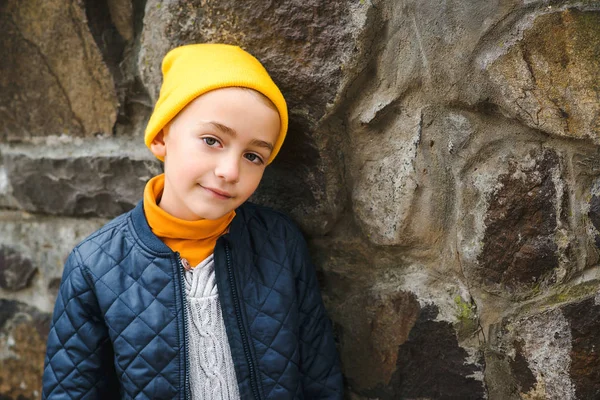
[549,79]
[76,187]
[16,269]
[499,379]
[431,364]
[519,243]
[42,243]
[121,14]
[385,189]
[6,199]
[585,192]
[23,333]
[53,79]
[443,159]
[541,347]
[584,318]
[302,32]
[87,185]
[386,314]
[385,322]
[594,215]
[115,27]
[549,354]
[524,242]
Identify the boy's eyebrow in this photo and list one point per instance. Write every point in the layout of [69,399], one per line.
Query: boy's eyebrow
[223,128]
[231,132]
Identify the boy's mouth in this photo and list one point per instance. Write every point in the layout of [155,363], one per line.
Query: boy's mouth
[218,193]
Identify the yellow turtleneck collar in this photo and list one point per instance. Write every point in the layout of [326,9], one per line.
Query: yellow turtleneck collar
[194,240]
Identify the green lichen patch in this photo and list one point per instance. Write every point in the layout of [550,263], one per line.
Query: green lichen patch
[561,295]
[466,316]
[572,293]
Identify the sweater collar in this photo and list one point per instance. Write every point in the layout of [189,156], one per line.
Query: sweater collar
[151,242]
[167,226]
[193,240]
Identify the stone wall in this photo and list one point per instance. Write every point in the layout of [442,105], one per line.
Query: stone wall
[443,159]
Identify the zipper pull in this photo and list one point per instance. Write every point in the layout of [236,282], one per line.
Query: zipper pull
[186,264]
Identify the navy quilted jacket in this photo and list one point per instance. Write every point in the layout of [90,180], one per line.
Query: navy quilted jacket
[119,331]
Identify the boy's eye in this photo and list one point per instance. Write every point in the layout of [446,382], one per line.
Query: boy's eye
[254,158]
[210,141]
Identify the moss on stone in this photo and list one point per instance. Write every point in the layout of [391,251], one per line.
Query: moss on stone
[466,317]
[536,290]
[573,293]
[559,296]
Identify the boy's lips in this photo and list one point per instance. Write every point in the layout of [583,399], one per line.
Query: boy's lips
[220,193]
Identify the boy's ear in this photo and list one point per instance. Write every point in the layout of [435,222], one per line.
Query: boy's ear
[158,146]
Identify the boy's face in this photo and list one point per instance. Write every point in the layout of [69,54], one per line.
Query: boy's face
[215,152]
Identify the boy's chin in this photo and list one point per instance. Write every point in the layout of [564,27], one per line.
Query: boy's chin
[212,214]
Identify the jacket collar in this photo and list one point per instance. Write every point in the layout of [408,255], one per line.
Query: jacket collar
[150,240]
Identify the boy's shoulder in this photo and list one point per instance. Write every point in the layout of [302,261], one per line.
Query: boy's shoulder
[266,219]
[110,231]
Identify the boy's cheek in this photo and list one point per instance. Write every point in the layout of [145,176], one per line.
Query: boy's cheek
[249,193]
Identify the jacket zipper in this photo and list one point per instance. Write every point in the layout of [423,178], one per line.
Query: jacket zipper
[185,325]
[253,379]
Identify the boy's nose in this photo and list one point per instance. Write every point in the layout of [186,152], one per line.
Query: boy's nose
[228,168]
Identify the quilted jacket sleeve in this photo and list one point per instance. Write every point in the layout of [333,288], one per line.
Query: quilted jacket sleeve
[322,377]
[78,363]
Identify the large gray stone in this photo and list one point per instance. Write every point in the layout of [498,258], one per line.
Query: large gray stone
[85,179]
[16,269]
[423,48]
[42,243]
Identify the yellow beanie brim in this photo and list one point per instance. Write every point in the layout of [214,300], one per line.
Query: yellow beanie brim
[192,70]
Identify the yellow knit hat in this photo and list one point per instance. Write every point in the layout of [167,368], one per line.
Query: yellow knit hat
[192,70]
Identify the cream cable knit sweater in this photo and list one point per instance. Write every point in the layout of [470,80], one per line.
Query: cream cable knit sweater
[212,375]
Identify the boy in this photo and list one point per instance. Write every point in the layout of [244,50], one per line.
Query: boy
[196,293]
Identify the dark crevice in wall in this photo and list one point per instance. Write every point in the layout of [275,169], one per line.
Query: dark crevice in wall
[106,35]
[120,54]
